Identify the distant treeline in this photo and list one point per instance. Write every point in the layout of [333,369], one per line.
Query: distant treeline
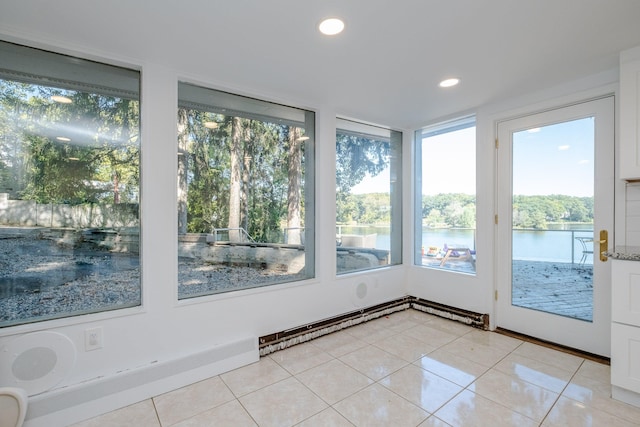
[370,208]
[537,211]
[458,210]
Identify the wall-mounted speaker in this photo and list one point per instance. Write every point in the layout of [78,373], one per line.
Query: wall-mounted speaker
[36,362]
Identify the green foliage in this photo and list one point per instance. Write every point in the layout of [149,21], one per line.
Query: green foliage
[264,175]
[97,162]
[370,208]
[538,211]
[458,210]
[449,210]
[358,156]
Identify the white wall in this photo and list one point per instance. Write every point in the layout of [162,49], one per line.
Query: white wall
[164,329]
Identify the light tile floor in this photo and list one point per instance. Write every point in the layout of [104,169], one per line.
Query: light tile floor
[407,369]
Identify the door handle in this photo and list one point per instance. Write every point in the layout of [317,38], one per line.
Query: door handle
[604,244]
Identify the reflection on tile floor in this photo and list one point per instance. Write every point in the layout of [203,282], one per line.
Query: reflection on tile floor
[407,369]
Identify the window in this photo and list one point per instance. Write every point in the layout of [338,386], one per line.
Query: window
[368,196]
[69,186]
[446,196]
[245,192]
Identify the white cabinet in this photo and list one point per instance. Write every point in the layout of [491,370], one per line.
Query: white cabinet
[625,298]
[630,114]
[625,331]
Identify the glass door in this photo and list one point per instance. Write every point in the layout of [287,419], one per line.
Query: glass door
[555,197]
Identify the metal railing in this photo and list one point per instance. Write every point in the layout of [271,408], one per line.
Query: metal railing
[286,234]
[557,249]
[243,235]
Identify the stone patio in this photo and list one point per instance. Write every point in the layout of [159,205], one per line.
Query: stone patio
[561,288]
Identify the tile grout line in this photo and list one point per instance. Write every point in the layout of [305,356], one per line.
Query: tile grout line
[562,391]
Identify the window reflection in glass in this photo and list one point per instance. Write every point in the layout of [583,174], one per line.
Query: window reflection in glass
[368,197]
[446,196]
[245,192]
[69,186]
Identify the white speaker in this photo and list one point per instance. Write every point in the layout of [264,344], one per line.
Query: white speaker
[36,362]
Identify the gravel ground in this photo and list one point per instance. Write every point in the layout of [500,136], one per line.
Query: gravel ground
[41,280]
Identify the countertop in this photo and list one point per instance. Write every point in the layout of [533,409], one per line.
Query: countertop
[627,253]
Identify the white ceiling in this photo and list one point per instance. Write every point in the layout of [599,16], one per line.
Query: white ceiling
[384,68]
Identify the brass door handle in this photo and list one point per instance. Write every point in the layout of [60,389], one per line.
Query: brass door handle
[604,244]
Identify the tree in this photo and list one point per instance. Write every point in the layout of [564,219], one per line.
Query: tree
[235,180]
[84,151]
[243,173]
[183,167]
[294,180]
[358,156]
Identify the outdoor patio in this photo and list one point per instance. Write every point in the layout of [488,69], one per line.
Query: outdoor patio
[561,288]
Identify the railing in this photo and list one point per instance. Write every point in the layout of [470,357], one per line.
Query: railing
[243,236]
[550,245]
[299,229]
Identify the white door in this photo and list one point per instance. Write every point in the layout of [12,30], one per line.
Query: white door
[555,196]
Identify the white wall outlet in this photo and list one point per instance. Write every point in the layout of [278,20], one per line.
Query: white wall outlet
[93,339]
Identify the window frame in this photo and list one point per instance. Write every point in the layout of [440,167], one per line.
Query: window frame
[75,75]
[216,101]
[395,140]
[436,129]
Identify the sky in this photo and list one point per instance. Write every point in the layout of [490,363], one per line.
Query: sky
[554,159]
[448,164]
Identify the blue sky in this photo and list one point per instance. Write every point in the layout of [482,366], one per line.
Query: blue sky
[554,159]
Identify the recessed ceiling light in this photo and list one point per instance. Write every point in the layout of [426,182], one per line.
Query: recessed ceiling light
[63,138]
[331,26]
[211,125]
[449,82]
[61,99]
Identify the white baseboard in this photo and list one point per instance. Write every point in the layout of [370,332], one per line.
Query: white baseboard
[626,396]
[68,405]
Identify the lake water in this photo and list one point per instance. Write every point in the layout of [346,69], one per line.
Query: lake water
[558,244]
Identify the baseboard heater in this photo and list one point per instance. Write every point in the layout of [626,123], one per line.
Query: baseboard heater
[281,340]
[470,318]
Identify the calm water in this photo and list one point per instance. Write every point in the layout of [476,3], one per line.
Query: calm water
[557,245]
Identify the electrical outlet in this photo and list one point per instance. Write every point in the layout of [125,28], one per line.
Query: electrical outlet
[93,339]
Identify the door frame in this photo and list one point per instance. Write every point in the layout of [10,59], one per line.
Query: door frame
[502,270]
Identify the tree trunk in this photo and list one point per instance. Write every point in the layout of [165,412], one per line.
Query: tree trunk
[244,195]
[116,191]
[293,193]
[236,180]
[183,140]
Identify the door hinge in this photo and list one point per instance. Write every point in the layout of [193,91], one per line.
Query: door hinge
[496,295]
[495,219]
[497,144]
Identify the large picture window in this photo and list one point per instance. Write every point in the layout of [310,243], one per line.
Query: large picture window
[69,186]
[245,192]
[446,196]
[368,196]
